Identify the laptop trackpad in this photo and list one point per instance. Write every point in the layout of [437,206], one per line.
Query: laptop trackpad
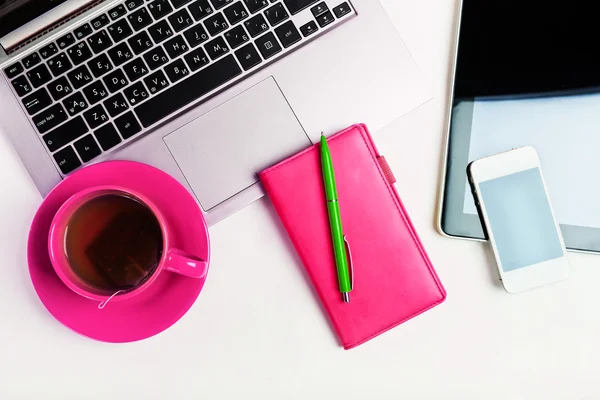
[220,152]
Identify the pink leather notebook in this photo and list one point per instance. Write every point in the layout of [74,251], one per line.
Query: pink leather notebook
[393,277]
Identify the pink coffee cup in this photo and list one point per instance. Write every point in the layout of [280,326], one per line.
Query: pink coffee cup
[172,260]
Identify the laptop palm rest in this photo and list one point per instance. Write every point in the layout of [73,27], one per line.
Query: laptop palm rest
[220,152]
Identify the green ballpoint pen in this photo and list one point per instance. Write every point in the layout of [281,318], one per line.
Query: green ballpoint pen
[335,222]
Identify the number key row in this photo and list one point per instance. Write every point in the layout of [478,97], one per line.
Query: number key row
[139,19]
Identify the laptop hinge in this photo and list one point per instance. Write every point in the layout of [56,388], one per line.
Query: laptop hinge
[45,23]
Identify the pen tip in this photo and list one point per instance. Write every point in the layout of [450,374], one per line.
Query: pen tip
[346,297]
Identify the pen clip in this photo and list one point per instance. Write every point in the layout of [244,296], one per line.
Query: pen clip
[351,263]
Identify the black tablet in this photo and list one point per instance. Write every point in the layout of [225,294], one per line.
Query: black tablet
[528,73]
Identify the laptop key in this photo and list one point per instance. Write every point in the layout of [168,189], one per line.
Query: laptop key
[248,56]
[216,48]
[67,160]
[196,35]
[135,69]
[39,75]
[79,53]
[100,21]
[13,70]
[31,60]
[220,3]
[135,93]
[159,8]
[188,90]
[196,59]
[119,30]
[65,41]
[133,4]
[48,50]
[100,65]
[309,28]
[200,9]
[21,86]
[36,101]
[95,92]
[117,12]
[75,103]
[325,19]
[216,24]
[82,31]
[156,82]
[99,42]
[179,3]
[120,54]
[139,19]
[319,9]
[276,14]
[176,46]
[236,36]
[155,58]
[342,10]
[256,25]
[160,31]
[236,13]
[288,34]
[176,70]
[80,76]
[95,116]
[268,45]
[180,20]
[140,42]
[256,5]
[59,64]
[107,136]
[65,133]
[49,118]
[128,125]
[59,88]
[295,6]
[87,148]
[115,81]
[116,105]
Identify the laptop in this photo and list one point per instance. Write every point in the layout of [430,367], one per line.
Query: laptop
[209,91]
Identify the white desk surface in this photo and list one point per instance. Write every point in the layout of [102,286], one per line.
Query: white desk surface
[257,331]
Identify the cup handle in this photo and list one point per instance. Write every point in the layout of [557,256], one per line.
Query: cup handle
[184,264]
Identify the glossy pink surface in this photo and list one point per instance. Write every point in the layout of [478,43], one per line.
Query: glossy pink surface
[179,262]
[156,308]
[174,260]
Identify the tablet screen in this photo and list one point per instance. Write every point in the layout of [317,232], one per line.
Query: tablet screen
[512,48]
[528,73]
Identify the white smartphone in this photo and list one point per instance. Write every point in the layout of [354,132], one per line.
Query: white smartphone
[512,199]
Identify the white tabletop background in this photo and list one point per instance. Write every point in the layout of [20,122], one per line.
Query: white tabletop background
[257,329]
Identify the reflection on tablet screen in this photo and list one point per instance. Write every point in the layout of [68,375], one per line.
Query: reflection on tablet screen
[566,133]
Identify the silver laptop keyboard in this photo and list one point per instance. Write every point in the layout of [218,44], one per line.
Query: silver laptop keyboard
[114,77]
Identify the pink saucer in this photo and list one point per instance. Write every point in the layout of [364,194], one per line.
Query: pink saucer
[158,307]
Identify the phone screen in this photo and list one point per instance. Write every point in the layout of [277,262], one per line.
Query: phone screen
[520,219]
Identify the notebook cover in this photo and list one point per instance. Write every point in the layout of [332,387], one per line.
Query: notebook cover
[394,279]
